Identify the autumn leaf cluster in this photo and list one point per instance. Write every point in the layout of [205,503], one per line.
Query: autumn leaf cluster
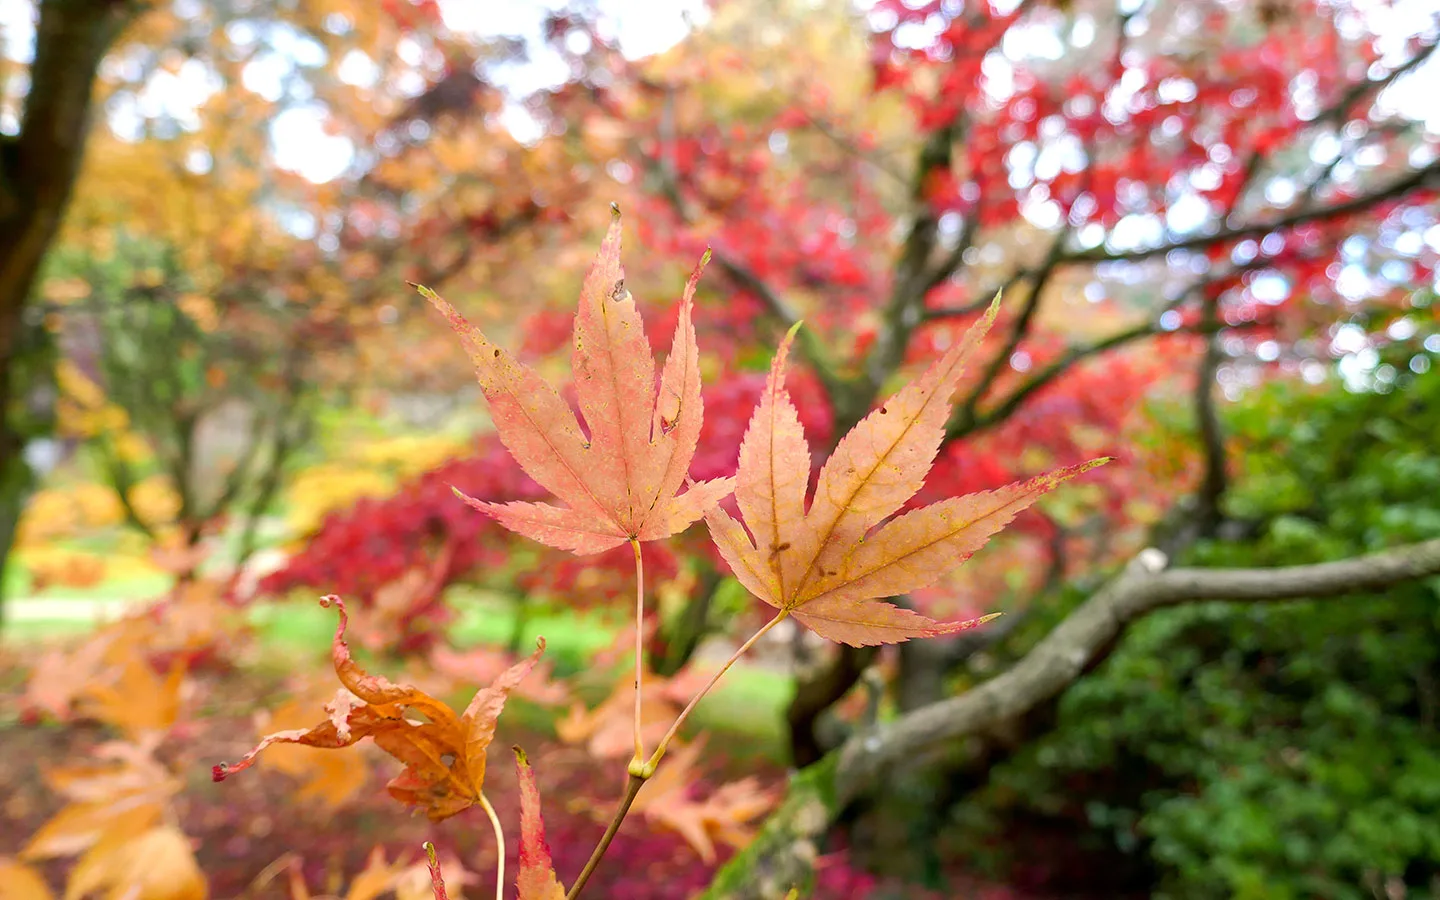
[828,558]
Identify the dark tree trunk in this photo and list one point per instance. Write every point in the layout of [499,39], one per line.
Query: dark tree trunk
[37,171]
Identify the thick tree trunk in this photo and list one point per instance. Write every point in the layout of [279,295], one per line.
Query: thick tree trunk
[37,171]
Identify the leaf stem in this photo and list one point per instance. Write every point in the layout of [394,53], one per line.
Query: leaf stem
[639,646]
[499,840]
[714,679]
[632,788]
[641,772]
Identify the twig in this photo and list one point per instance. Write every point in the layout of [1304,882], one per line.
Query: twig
[632,788]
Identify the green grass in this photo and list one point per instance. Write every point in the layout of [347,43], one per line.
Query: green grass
[137,587]
[481,618]
[748,704]
[44,629]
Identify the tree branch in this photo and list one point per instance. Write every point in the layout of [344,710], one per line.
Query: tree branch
[783,853]
[965,412]
[1420,178]
[839,389]
[1085,636]
[1357,91]
[1212,436]
[965,421]
[904,311]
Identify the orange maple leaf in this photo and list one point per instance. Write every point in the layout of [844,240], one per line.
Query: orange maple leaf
[621,483]
[115,820]
[21,882]
[331,778]
[444,758]
[823,565]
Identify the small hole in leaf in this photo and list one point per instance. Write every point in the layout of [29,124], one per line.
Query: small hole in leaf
[884,411]
[497,351]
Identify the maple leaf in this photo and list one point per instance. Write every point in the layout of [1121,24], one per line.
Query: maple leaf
[331,778]
[127,792]
[21,882]
[115,820]
[621,483]
[154,865]
[139,701]
[823,565]
[444,757]
[536,880]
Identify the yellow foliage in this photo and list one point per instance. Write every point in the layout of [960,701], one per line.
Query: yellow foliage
[115,820]
[411,455]
[61,512]
[82,408]
[155,500]
[330,486]
[156,865]
[200,310]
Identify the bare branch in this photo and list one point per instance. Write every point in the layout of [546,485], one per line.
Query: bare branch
[1086,635]
[1420,178]
[1370,86]
[839,389]
[1212,437]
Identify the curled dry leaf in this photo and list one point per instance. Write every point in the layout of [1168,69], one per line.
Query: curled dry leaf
[832,564]
[332,779]
[444,757]
[536,880]
[621,483]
